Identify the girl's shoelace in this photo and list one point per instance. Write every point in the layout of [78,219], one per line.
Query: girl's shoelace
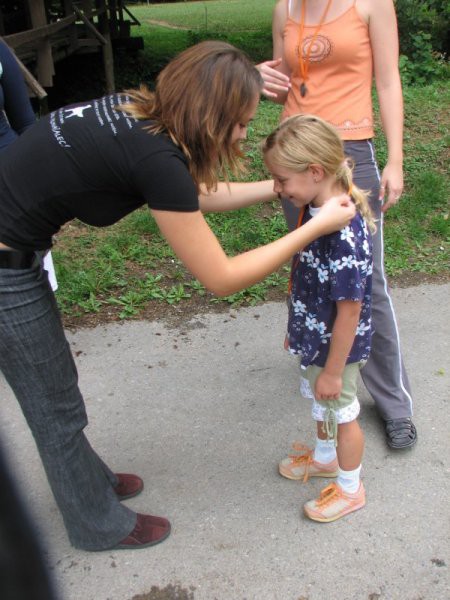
[328,495]
[303,457]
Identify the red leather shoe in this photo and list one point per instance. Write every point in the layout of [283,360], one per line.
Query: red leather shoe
[148,531]
[128,485]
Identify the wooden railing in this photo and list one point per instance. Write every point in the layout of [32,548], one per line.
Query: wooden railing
[87,25]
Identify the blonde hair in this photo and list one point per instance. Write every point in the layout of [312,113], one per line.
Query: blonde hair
[304,140]
[200,96]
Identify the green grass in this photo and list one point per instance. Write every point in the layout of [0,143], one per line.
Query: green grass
[214,16]
[417,231]
[244,24]
[123,268]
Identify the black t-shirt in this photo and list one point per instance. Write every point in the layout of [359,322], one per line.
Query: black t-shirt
[91,162]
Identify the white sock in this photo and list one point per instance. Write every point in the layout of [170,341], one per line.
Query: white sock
[325,451]
[349,480]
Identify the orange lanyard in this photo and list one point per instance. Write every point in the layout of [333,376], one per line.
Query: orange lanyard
[295,262]
[304,63]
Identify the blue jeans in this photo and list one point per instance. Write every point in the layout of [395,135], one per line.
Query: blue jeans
[384,374]
[36,361]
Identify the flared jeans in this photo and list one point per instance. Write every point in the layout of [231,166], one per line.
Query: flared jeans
[36,361]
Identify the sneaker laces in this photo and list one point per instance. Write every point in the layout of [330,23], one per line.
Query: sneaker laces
[303,457]
[330,494]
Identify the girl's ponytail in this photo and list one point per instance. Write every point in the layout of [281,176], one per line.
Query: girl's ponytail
[344,176]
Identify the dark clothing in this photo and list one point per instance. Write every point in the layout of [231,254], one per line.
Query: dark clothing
[23,573]
[92,162]
[16,113]
[36,360]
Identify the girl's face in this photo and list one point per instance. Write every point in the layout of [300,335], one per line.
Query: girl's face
[298,188]
[240,129]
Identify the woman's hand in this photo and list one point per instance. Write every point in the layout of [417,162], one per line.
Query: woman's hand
[275,82]
[336,213]
[391,187]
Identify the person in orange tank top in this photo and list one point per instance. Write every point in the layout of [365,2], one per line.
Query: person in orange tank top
[326,54]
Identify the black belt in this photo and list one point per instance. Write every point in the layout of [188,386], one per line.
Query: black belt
[15,259]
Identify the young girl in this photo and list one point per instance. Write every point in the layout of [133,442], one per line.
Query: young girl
[329,311]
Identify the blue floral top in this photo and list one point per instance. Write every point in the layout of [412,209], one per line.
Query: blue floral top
[334,267]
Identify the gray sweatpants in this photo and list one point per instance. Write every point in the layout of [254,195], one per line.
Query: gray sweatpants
[384,374]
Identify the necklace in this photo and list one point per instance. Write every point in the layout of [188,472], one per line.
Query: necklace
[303,63]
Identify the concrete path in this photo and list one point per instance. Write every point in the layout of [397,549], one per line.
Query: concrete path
[203,414]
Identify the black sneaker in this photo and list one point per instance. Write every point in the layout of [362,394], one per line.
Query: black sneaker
[401,433]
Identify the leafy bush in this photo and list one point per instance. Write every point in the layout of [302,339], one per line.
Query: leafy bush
[423,16]
[424,39]
[424,65]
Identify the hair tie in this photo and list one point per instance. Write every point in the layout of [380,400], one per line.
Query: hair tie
[346,163]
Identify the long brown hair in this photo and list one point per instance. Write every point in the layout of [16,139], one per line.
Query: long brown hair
[304,140]
[199,98]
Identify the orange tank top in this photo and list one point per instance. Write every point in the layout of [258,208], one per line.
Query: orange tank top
[340,74]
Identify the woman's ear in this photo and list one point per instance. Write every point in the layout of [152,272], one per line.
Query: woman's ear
[317,172]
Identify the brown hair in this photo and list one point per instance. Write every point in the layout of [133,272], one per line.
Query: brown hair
[199,98]
[304,140]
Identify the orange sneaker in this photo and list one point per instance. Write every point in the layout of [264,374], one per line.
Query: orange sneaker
[302,465]
[333,503]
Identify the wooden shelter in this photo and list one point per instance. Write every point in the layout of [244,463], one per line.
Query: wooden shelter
[43,32]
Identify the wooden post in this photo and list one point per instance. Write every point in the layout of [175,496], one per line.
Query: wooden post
[113,23]
[102,34]
[108,56]
[68,10]
[45,66]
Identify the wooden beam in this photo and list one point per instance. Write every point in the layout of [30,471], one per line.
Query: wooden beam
[45,66]
[108,57]
[32,83]
[134,20]
[90,26]
[68,12]
[30,35]
[44,43]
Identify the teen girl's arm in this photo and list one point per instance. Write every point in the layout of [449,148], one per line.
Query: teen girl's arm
[275,73]
[329,383]
[234,195]
[384,42]
[196,246]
